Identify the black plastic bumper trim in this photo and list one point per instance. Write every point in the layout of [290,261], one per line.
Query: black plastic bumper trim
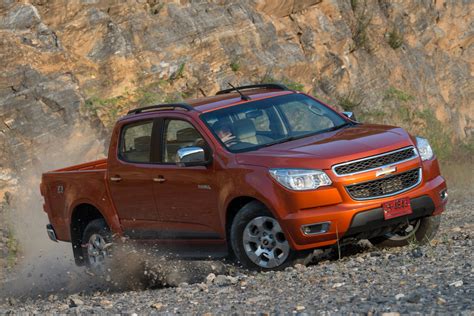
[372,220]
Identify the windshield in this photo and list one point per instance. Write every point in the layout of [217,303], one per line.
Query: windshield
[266,122]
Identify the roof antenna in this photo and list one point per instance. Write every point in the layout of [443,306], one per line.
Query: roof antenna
[242,96]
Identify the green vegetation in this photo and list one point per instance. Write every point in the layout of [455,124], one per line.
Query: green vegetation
[354,4]
[435,132]
[235,65]
[293,85]
[360,37]
[350,101]
[149,94]
[374,116]
[179,73]
[107,109]
[398,95]
[361,26]
[420,123]
[110,109]
[395,38]
[468,147]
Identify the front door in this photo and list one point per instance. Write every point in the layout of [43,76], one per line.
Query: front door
[186,197]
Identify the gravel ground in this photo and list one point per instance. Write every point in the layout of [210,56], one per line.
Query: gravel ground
[432,279]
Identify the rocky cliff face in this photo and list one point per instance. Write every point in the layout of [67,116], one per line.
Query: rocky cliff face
[69,68]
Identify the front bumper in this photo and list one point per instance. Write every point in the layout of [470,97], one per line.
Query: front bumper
[361,219]
[372,223]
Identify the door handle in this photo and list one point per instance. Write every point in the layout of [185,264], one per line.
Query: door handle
[159,179]
[116,179]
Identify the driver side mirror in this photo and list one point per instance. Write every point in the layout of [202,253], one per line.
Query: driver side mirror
[350,115]
[191,156]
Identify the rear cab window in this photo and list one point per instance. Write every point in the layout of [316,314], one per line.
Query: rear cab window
[136,142]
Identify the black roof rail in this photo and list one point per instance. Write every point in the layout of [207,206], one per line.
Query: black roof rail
[277,86]
[185,106]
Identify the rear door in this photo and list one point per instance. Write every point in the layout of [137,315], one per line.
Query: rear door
[130,176]
[186,197]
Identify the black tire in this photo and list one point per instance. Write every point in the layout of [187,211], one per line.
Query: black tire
[246,214]
[96,227]
[426,231]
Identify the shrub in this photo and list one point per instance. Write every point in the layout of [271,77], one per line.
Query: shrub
[361,26]
[395,38]
[350,101]
[436,133]
[179,73]
[109,109]
[393,93]
[235,66]
[354,4]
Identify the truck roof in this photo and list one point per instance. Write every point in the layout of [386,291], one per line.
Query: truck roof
[222,99]
[211,103]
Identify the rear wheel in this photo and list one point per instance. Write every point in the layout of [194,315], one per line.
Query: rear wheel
[97,242]
[258,240]
[419,231]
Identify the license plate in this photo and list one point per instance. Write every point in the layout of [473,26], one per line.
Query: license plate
[396,208]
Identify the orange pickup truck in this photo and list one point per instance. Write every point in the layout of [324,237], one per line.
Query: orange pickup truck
[261,173]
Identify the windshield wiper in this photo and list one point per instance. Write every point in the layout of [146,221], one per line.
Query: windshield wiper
[335,128]
[279,141]
[294,137]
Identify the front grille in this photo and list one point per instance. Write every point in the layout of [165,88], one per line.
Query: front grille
[385,187]
[374,162]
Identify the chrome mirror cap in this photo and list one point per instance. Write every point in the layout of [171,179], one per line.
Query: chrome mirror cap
[350,115]
[190,156]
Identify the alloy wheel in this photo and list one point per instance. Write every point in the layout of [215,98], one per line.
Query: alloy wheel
[97,250]
[265,243]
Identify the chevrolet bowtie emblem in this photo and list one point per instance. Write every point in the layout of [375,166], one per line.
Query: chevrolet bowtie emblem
[385,170]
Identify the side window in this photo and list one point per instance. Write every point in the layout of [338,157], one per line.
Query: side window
[135,144]
[179,134]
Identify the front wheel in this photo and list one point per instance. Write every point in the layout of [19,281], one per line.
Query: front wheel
[419,231]
[258,240]
[97,241]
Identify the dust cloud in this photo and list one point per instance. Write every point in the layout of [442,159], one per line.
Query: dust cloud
[47,268]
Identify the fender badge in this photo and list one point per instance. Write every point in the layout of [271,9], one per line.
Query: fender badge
[385,171]
[204,186]
[60,189]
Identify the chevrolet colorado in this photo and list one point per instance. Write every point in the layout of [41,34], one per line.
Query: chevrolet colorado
[262,173]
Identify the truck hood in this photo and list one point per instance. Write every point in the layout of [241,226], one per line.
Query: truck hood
[324,150]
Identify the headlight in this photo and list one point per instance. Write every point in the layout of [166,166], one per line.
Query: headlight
[424,148]
[300,179]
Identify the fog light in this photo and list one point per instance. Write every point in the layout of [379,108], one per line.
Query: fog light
[314,229]
[443,194]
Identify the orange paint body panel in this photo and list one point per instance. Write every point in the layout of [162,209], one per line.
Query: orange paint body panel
[192,205]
